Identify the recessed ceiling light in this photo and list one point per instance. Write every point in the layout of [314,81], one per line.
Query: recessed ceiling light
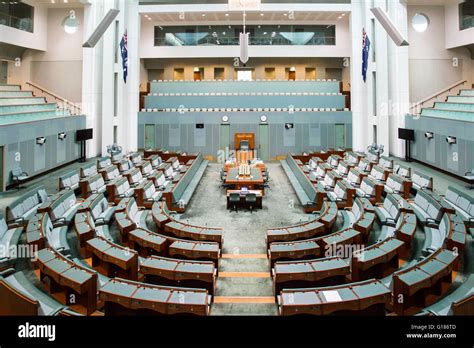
[343,14]
[204,15]
[340,17]
[262,14]
[227,15]
[285,14]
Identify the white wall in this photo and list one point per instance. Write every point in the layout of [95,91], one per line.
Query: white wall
[431,64]
[36,40]
[59,67]
[454,36]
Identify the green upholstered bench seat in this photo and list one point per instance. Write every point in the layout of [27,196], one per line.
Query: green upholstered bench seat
[188,193]
[46,304]
[444,305]
[69,181]
[26,206]
[9,237]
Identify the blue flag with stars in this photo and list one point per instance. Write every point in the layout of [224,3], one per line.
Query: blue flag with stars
[365,54]
[124,51]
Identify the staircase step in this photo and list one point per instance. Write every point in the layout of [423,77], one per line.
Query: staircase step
[244,309]
[244,286]
[244,265]
[244,274]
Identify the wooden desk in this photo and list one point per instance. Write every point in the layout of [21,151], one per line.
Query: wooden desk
[123,297]
[417,284]
[113,260]
[310,273]
[377,260]
[165,271]
[146,242]
[366,297]
[37,229]
[251,182]
[60,274]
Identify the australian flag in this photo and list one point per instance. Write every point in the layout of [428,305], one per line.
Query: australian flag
[365,54]
[124,51]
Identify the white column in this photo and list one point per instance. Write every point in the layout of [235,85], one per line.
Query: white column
[383,103]
[392,79]
[99,71]
[130,92]
[399,78]
[108,70]
[92,78]
[359,94]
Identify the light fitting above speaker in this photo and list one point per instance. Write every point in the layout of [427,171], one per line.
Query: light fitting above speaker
[389,27]
[101,29]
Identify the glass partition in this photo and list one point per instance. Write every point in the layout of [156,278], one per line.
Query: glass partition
[16,15]
[466,15]
[298,35]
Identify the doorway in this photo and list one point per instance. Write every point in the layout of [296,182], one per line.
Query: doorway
[340,136]
[225,137]
[310,74]
[244,74]
[149,136]
[3,72]
[198,74]
[290,73]
[2,176]
[178,74]
[263,142]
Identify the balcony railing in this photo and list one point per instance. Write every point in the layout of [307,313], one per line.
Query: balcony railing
[175,40]
[25,24]
[467,22]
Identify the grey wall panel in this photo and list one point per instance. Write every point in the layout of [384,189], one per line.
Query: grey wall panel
[141,140]
[331,131]
[348,135]
[457,158]
[428,149]
[61,150]
[20,142]
[158,135]
[301,138]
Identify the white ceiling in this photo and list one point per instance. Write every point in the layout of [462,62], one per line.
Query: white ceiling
[222,18]
[431,2]
[59,3]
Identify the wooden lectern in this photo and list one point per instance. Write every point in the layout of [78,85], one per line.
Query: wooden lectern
[244,144]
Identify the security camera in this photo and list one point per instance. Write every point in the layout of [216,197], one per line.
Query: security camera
[62,136]
[451,140]
[40,140]
[429,135]
[288,125]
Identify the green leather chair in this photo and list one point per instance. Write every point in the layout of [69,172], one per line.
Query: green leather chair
[251,200]
[234,199]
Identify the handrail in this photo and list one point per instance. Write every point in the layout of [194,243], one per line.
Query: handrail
[72,107]
[417,105]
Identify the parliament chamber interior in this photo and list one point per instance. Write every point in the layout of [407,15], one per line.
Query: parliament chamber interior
[237,158]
